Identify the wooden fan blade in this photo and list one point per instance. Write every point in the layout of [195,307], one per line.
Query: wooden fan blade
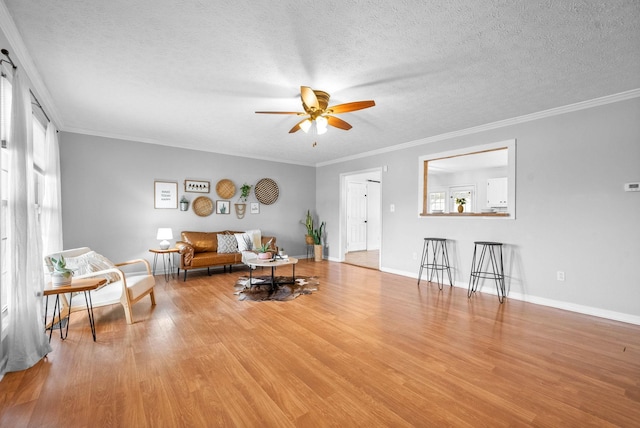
[309,97]
[280,112]
[338,123]
[357,105]
[297,127]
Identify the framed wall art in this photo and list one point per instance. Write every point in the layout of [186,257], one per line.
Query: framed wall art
[165,195]
[223,207]
[255,208]
[196,186]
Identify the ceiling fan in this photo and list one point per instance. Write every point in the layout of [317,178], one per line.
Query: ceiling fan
[315,104]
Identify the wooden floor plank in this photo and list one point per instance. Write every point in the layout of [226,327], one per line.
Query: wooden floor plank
[367,349]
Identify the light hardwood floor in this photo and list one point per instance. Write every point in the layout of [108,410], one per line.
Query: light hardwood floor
[368,349]
[369,259]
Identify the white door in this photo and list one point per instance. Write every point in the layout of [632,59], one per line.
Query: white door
[356,216]
[466,192]
[374,223]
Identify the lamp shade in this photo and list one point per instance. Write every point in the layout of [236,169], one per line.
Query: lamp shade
[164,233]
[321,124]
[305,125]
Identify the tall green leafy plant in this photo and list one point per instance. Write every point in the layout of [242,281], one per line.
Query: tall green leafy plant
[308,223]
[317,234]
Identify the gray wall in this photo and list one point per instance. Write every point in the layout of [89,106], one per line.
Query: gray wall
[108,195]
[572,212]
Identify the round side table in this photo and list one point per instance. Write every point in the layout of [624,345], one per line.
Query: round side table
[167,261]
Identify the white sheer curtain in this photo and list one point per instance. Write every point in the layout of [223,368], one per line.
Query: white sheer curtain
[27,342]
[51,214]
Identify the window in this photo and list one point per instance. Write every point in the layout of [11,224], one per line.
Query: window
[466,173]
[39,139]
[437,201]
[463,192]
[5,119]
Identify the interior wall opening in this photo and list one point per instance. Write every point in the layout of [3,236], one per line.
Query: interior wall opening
[361,218]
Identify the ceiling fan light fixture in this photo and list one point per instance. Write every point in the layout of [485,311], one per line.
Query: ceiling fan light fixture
[305,125]
[316,105]
[321,124]
[322,121]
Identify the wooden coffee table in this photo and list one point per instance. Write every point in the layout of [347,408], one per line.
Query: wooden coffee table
[273,264]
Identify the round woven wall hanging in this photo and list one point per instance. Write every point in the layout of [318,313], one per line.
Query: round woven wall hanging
[225,189]
[267,191]
[202,206]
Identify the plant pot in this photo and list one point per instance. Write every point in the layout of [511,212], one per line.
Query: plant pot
[317,252]
[460,208]
[265,256]
[184,206]
[58,280]
[309,240]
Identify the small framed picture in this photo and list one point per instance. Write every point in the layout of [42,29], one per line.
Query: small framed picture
[165,194]
[255,207]
[196,186]
[223,207]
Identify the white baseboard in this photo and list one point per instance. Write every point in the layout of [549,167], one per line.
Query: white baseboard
[567,306]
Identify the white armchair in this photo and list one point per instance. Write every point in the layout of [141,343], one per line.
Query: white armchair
[126,289]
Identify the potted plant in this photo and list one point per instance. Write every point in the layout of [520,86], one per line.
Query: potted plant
[61,275]
[461,202]
[317,242]
[241,208]
[244,192]
[265,251]
[308,223]
[184,204]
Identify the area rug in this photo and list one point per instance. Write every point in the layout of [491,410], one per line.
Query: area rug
[285,288]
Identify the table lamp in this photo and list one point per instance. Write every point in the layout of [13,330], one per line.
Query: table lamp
[164,233]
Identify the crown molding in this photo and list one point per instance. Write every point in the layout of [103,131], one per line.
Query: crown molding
[113,136]
[21,57]
[609,99]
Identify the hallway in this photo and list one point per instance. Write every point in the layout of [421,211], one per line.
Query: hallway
[367,259]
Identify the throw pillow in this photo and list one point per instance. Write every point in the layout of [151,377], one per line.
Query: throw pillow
[244,242]
[256,238]
[92,262]
[227,244]
[98,262]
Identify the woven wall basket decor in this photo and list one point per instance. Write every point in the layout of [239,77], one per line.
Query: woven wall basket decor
[225,189]
[202,206]
[267,191]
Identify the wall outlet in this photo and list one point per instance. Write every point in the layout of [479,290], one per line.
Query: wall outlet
[560,275]
[415,256]
[392,208]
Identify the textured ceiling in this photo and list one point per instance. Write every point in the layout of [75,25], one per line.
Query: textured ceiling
[192,73]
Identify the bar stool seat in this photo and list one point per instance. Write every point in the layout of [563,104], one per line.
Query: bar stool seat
[490,267]
[436,261]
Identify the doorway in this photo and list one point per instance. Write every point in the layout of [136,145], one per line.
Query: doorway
[361,218]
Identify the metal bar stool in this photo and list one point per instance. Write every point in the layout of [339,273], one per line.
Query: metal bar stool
[438,262]
[494,263]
